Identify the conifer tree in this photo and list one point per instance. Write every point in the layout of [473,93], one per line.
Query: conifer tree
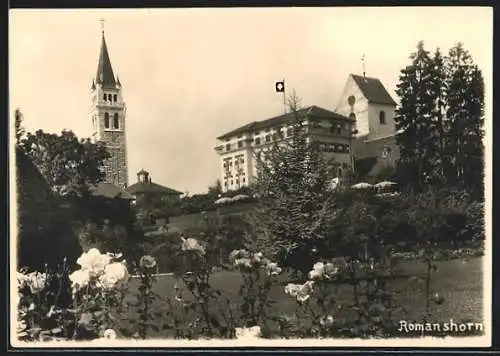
[464,121]
[438,92]
[415,120]
[292,189]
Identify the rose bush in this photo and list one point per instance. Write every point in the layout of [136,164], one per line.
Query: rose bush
[259,275]
[97,288]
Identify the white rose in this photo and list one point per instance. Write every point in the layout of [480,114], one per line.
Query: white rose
[94,261]
[317,271]
[114,273]
[305,291]
[36,282]
[328,321]
[191,244]
[292,289]
[79,279]
[273,269]
[257,257]
[109,334]
[331,270]
[246,262]
[22,280]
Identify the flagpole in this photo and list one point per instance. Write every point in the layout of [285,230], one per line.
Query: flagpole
[284,96]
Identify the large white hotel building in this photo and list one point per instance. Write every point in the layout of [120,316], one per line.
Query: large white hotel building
[361,126]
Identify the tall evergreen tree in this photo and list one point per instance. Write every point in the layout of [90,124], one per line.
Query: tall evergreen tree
[438,92]
[415,121]
[293,199]
[464,121]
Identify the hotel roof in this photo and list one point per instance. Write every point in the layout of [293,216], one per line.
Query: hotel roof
[309,112]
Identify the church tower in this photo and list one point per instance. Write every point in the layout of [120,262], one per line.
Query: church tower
[108,118]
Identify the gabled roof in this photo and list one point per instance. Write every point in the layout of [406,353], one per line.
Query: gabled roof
[149,187]
[109,190]
[105,75]
[373,90]
[310,112]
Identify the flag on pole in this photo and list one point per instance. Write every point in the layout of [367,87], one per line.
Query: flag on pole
[280,87]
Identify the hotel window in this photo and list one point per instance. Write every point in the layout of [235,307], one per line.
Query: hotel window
[257,140]
[243,180]
[228,146]
[105,97]
[225,183]
[242,160]
[240,144]
[115,97]
[381,117]
[268,138]
[237,181]
[232,182]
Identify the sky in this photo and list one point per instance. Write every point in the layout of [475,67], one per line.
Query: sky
[190,75]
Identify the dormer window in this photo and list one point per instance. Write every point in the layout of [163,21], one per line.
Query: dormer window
[381,117]
[106,120]
[116,122]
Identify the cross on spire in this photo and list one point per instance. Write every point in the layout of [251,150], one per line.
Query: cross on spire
[363,65]
[101,20]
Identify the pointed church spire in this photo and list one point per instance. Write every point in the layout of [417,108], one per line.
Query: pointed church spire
[105,74]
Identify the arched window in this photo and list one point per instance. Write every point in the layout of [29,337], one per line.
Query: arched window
[116,124]
[106,120]
[381,117]
[115,97]
[110,97]
[105,97]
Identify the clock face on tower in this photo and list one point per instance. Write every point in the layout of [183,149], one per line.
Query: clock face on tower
[351,100]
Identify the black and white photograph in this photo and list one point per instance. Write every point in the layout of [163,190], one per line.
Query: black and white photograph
[250,177]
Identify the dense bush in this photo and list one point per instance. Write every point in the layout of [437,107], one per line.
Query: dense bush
[403,222]
[45,233]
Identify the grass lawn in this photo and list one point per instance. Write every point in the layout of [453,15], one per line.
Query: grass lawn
[459,282]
